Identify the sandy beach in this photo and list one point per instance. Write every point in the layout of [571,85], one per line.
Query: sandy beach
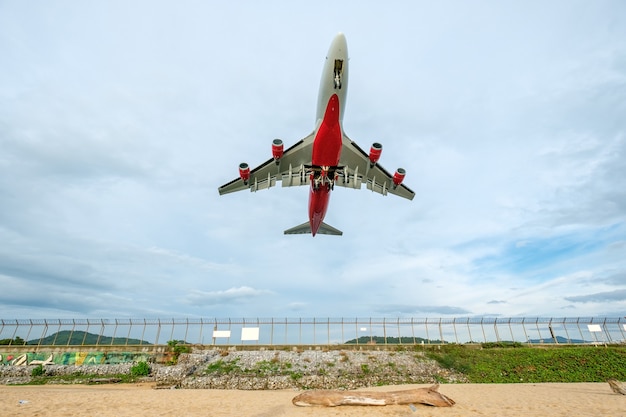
[515,400]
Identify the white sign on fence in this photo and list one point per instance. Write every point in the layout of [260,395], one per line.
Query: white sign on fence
[249,333]
[594,328]
[221,333]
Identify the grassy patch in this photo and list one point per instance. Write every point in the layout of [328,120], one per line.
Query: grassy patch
[77,378]
[220,367]
[528,364]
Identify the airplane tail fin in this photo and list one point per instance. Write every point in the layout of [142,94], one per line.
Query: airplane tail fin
[305,228]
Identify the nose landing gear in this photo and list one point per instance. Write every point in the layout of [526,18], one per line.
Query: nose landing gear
[338,72]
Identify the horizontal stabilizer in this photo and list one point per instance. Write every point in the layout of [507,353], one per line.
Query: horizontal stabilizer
[305,228]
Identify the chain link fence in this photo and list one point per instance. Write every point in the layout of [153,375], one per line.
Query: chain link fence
[312,331]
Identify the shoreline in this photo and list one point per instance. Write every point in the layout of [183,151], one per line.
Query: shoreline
[142,399]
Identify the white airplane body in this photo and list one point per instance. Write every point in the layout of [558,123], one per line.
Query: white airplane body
[326,157]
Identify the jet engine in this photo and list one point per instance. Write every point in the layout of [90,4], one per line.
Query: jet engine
[244,172]
[375,152]
[398,177]
[277,149]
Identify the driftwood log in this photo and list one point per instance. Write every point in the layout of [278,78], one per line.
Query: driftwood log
[428,396]
[617,386]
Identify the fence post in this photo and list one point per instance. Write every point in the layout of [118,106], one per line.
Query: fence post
[524,328]
[172,332]
[385,331]
[328,331]
[538,331]
[440,332]
[69,340]
[114,332]
[608,334]
[54,342]
[552,332]
[621,327]
[343,339]
[495,329]
[130,326]
[482,327]
[569,339]
[156,342]
[399,333]
[579,330]
[143,332]
[43,333]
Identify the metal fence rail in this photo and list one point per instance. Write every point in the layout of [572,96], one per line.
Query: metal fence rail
[313,331]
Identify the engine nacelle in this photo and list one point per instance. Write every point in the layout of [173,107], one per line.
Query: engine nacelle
[277,149]
[244,172]
[398,177]
[375,152]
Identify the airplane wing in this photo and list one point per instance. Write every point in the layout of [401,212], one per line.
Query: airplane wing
[293,167]
[355,168]
[290,169]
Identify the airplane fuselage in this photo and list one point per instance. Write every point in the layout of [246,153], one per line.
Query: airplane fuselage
[327,145]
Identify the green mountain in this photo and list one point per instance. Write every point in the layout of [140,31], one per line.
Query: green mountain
[379,340]
[78,337]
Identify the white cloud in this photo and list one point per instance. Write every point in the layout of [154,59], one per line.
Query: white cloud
[230,296]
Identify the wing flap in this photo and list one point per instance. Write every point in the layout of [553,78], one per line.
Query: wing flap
[357,169]
[290,167]
[295,177]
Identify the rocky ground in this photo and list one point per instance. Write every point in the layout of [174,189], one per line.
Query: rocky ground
[270,369]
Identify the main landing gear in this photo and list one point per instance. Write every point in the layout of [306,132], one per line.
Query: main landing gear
[323,176]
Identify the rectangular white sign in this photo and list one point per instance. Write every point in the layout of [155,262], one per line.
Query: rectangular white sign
[221,333]
[594,327]
[249,333]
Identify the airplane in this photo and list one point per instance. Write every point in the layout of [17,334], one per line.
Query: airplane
[325,158]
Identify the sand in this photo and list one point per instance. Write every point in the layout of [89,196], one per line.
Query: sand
[117,400]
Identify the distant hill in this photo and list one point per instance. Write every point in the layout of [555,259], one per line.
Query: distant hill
[379,340]
[559,339]
[78,337]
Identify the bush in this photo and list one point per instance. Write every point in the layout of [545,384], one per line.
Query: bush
[37,371]
[140,369]
[178,347]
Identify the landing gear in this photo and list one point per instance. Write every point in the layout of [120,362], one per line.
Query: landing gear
[337,82]
[338,72]
[323,175]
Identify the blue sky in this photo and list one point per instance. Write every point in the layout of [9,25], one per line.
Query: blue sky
[119,120]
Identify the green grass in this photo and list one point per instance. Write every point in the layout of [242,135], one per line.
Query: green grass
[528,364]
[39,376]
[77,378]
[221,367]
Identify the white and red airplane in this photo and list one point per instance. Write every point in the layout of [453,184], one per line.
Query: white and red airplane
[326,157]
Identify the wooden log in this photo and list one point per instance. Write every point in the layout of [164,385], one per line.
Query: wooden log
[617,386]
[328,398]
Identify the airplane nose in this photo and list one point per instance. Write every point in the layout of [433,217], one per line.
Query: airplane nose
[340,44]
